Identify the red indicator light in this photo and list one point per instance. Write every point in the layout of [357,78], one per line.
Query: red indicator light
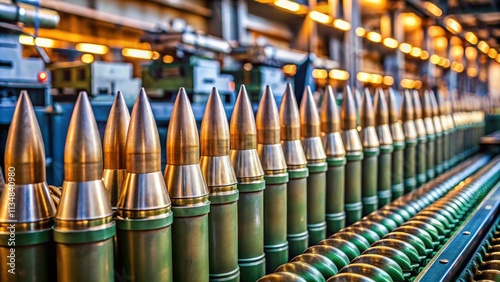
[42,76]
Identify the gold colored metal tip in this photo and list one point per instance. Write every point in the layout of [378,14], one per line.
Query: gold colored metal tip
[358,100]
[143,149]
[267,119]
[24,149]
[427,105]
[309,117]
[214,136]
[407,112]
[417,106]
[242,128]
[115,135]
[441,103]
[348,113]
[394,110]
[381,108]
[83,152]
[367,112]
[289,116]
[434,104]
[183,147]
[330,116]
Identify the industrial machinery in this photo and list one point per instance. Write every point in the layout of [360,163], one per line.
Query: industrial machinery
[186,59]
[98,79]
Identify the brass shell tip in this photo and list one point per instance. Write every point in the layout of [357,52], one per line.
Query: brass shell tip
[115,135]
[214,135]
[367,112]
[182,136]
[242,126]
[24,148]
[348,113]
[394,110]
[267,119]
[309,117]
[289,116]
[330,116]
[381,108]
[407,112]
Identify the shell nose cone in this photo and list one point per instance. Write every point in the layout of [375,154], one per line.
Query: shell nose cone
[394,110]
[367,112]
[182,137]
[289,116]
[115,135]
[267,119]
[24,148]
[83,160]
[330,116]
[309,117]
[143,149]
[242,128]
[348,113]
[381,108]
[214,136]
[407,112]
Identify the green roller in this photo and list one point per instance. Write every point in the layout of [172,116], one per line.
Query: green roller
[376,227]
[398,256]
[368,270]
[302,269]
[251,185]
[276,177]
[410,131]
[338,257]
[335,154]
[310,132]
[320,262]
[371,151]
[358,240]
[189,195]
[223,195]
[348,248]
[354,155]
[386,264]
[297,234]
[398,138]
[384,162]
[369,235]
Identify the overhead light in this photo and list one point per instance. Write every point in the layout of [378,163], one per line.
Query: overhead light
[92,48]
[472,72]
[339,74]
[435,31]
[377,78]
[288,5]
[498,58]
[424,55]
[289,69]
[470,53]
[319,17]
[433,9]
[364,76]
[248,66]
[457,52]
[483,76]
[341,24]
[471,38]
[416,52]
[457,67]
[137,53]
[440,43]
[26,40]
[452,25]
[405,48]
[319,73]
[45,42]
[388,80]
[492,53]
[407,83]
[410,21]
[442,61]
[434,59]
[417,84]
[87,58]
[391,42]
[360,31]
[374,36]
[446,63]
[483,46]
[167,59]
